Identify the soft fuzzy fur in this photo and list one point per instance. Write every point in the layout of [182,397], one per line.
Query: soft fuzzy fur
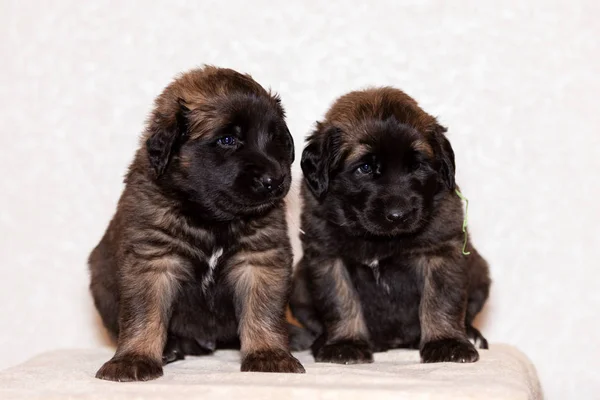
[197,255]
[382,265]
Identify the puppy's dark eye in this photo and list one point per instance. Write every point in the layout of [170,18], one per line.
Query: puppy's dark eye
[417,162]
[365,168]
[416,165]
[423,166]
[227,141]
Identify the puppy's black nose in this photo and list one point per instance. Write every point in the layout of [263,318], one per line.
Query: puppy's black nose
[394,215]
[268,183]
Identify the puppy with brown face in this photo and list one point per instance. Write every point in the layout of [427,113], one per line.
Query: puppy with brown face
[383,266]
[197,255]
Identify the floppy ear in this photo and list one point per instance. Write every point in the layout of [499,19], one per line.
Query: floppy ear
[290,145]
[320,157]
[289,139]
[165,128]
[444,156]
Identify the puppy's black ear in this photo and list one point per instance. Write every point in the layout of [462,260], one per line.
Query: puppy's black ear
[444,156]
[290,145]
[320,157]
[165,128]
[289,138]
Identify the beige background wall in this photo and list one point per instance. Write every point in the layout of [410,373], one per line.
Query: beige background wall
[516,82]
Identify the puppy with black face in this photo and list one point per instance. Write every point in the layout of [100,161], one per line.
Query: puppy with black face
[197,255]
[383,266]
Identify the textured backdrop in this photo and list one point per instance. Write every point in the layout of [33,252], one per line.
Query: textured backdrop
[517,85]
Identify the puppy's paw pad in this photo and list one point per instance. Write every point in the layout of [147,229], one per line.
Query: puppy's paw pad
[129,369]
[449,350]
[271,361]
[346,352]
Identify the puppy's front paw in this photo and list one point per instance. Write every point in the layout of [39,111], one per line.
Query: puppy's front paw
[129,368]
[449,350]
[271,361]
[346,352]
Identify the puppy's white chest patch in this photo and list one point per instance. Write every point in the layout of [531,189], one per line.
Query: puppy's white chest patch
[374,265]
[213,261]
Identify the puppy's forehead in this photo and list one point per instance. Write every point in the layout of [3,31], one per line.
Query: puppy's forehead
[198,87]
[378,104]
[388,139]
[213,96]
[366,117]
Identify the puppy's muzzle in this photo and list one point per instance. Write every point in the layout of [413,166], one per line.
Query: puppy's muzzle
[399,210]
[268,184]
[397,215]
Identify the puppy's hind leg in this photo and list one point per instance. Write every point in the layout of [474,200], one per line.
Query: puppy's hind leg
[479,288]
[300,338]
[475,303]
[178,347]
[476,337]
[172,351]
[302,308]
[104,287]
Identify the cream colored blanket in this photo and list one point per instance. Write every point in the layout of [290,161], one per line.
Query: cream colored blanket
[501,373]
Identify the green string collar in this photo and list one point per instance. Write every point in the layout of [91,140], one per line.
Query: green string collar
[464,225]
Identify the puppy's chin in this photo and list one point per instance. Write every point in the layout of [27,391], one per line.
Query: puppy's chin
[256,209]
[239,205]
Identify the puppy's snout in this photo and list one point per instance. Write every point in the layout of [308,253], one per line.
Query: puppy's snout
[399,210]
[267,183]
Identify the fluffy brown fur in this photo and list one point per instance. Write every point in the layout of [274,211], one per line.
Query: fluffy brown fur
[382,265]
[197,255]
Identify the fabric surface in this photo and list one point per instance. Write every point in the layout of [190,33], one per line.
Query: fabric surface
[502,372]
